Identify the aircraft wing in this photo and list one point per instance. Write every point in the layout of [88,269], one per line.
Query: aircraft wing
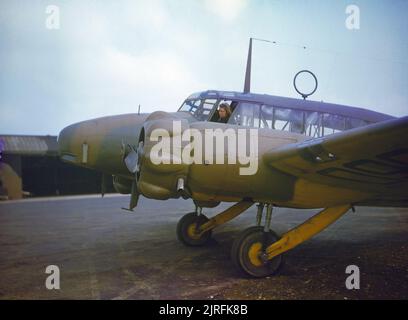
[371,159]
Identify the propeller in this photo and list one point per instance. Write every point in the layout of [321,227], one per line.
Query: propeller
[133,162]
[133,158]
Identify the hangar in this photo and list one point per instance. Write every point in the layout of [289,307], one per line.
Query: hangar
[30,166]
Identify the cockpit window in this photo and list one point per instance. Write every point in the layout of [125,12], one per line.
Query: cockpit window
[310,123]
[200,109]
[251,114]
[351,123]
[207,107]
[224,116]
[245,114]
[289,120]
[190,106]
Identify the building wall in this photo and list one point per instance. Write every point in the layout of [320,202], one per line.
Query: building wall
[46,176]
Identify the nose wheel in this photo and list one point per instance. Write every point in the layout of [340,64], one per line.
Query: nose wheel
[187,230]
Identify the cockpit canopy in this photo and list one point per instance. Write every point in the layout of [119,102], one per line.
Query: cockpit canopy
[315,119]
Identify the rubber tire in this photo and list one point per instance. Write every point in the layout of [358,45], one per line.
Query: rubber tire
[240,249]
[182,230]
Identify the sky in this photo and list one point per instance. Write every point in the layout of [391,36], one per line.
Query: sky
[107,57]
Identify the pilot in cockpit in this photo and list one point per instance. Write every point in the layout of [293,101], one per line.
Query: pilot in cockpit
[224,112]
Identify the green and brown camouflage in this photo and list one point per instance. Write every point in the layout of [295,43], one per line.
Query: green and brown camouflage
[366,165]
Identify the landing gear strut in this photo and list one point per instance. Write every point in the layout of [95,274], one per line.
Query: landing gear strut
[258,250]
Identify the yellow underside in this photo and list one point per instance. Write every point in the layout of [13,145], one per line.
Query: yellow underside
[308,194]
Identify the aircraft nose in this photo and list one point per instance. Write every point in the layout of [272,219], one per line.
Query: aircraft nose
[67,144]
[97,141]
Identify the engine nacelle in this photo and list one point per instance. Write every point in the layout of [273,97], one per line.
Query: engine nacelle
[159,181]
[122,185]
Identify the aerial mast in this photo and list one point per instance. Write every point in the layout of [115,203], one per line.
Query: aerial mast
[247,84]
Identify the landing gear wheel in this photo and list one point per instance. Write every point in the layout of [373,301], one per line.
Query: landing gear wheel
[246,252]
[186,230]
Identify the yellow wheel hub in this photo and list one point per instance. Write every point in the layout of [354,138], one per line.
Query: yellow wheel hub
[192,232]
[253,254]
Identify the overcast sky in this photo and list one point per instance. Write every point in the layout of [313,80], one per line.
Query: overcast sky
[107,57]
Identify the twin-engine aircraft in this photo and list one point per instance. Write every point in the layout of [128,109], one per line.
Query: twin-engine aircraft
[248,149]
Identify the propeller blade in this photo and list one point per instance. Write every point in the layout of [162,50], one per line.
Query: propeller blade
[131,161]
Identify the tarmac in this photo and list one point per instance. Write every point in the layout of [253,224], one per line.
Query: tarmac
[104,252]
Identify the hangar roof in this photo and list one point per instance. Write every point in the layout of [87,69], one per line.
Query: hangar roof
[29,145]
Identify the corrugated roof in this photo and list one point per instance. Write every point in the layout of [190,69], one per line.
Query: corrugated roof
[29,145]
